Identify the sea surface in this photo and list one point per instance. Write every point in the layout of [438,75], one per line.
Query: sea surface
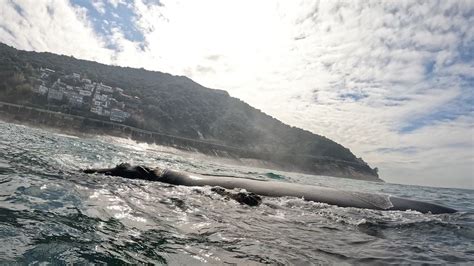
[51,212]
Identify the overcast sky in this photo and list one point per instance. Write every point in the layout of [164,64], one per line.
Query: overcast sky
[391,80]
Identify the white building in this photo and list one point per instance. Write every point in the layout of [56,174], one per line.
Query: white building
[40,89]
[96,103]
[104,88]
[102,98]
[118,115]
[85,93]
[55,95]
[47,70]
[96,110]
[89,87]
[100,110]
[75,99]
[43,90]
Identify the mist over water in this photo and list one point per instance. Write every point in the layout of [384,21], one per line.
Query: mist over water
[49,211]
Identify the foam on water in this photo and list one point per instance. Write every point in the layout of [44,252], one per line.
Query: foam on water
[50,212]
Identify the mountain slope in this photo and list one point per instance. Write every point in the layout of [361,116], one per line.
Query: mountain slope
[179,106]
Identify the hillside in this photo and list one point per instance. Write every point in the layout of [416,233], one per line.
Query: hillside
[169,104]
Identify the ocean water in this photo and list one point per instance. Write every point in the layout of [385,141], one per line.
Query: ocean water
[50,212]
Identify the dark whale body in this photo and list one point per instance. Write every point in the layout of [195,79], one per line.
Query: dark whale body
[330,196]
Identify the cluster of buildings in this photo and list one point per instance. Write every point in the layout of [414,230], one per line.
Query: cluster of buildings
[95,97]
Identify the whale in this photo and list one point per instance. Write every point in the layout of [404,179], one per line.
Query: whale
[331,196]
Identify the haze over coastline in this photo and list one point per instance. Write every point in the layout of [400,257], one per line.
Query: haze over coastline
[393,81]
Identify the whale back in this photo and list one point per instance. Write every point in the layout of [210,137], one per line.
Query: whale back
[331,196]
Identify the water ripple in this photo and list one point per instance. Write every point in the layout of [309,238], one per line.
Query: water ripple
[50,212]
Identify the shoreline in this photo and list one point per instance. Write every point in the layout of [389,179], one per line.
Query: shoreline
[86,127]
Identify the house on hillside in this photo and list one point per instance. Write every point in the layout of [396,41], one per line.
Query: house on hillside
[47,70]
[96,109]
[75,99]
[89,87]
[41,89]
[104,88]
[118,115]
[87,93]
[54,94]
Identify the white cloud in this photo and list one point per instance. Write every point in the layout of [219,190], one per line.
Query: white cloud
[51,26]
[354,71]
[99,6]
[116,3]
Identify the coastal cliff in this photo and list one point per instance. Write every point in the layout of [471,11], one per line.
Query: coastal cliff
[166,109]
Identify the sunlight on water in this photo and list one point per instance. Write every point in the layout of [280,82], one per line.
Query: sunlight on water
[51,212]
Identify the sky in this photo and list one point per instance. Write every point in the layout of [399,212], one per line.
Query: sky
[391,80]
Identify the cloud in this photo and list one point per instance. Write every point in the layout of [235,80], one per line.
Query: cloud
[116,3]
[51,26]
[99,6]
[390,80]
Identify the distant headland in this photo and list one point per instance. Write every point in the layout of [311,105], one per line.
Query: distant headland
[63,92]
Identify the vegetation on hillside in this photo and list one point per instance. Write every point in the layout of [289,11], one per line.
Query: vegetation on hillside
[174,105]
